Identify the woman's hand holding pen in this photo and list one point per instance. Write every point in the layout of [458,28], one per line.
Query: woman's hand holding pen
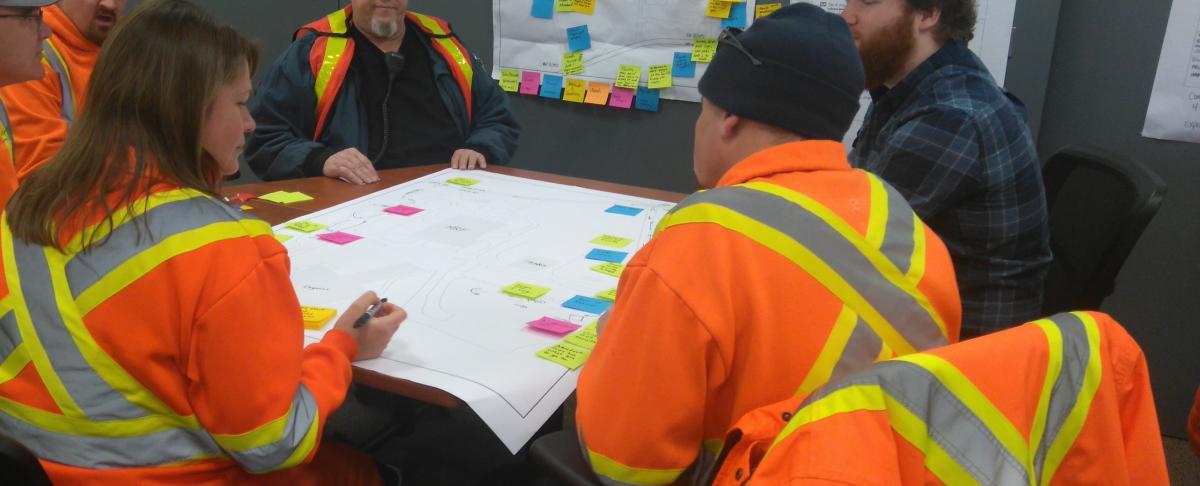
[374,336]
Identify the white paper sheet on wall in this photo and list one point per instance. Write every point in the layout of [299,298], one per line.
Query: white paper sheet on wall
[1174,109]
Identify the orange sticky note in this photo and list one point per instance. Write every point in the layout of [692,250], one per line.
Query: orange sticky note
[597,93]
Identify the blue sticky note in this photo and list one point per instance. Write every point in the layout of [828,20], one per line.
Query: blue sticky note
[647,100]
[578,38]
[542,9]
[551,86]
[684,66]
[607,255]
[737,17]
[624,210]
[587,304]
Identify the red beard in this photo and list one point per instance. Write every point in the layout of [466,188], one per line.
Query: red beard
[884,54]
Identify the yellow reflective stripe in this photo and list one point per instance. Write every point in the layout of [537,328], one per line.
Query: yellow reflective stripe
[978,404]
[460,57]
[1054,362]
[614,470]
[83,426]
[831,353]
[885,353]
[306,446]
[30,340]
[916,268]
[1075,420]
[15,363]
[885,267]
[430,24]
[262,435]
[123,215]
[877,223]
[337,21]
[334,48]
[170,247]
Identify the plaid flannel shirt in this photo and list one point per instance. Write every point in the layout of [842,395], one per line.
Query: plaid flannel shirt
[958,147]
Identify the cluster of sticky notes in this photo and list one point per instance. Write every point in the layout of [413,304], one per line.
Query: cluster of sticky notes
[306,226]
[339,237]
[525,290]
[462,181]
[316,317]
[552,326]
[285,197]
[612,241]
[402,210]
[612,269]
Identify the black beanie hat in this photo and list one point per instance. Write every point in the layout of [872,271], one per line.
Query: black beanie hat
[809,81]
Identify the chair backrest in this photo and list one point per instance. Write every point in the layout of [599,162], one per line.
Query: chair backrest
[19,466]
[1099,204]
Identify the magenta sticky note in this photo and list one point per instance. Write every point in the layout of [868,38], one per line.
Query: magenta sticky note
[621,97]
[339,237]
[403,210]
[531,82]
[553,326]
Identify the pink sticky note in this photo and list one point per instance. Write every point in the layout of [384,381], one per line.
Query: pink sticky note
[339,237]
[531,82]
[621,97]
[403,210]
[553,326]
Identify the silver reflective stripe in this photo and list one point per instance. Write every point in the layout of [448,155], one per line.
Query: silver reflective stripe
[10,335]
[141,233]
[300,418]
[1076,353]
[98,400]
[898,244]
[64,79]
[173,445]
[860,352]
[897,307]
[949,422]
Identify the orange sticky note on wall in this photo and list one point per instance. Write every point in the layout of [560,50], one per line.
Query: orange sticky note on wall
[597,93]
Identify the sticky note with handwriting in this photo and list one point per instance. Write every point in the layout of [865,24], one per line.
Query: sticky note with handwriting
[340,237]
[684,66]
[647,99]
[575,91]
[612,241]
[551,86]
[565,354]
[623,210]
[305,226]
[737,17]
[552,326]
[609,295]
[609,268]
[572,63]
[510,80]
[597,93]
[607,255]
[316,317]
[525,290]
[718,9]
[530,82]
[586,338]
[703,49]
[660,76]
[403,210]
[621,97]
[587,304]
[628,76]
[578,38]
[586,7]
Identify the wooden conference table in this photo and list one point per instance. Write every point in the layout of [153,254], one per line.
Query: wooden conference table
[328,192]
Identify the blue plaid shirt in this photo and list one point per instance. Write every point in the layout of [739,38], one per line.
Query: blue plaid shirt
[958,147]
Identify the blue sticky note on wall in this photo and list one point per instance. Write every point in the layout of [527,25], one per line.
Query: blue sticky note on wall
[587,304]
[737,17]
[578,38]
[542,9]
[607,255]
[551,86]
[623,210]
[647,99]
[684,66]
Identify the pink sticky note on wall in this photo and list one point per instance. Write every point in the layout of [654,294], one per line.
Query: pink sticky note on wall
[553,326]
[531,82]
[621,97]
[403,210]
[339,237]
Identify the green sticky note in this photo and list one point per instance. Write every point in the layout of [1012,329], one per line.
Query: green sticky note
[609,295]
[629,76]
[565,354]
[703,49]
[285,197]
[564,5]
[660,76]
[282,238]
[585,338]
[609,268]
[510,80]
[305,226]
[462,181]
[525,290]
[612,241]
[572,63]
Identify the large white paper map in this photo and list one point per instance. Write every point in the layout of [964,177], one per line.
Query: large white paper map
[447,265]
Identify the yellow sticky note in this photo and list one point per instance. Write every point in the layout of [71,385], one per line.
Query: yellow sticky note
[462,181]
[612,241]
[316,317]
[298,197]
[275,197]
[610,268]
[629,76]
[575,91]
[572,63]
[597,93]
[564,5]
[703,49]
[585,338]
[718,9]
[764,10]
[526,290]
[585,6]
[510,80]
[305,226]
[282,238]
[660,76]
[565,354]
[246,207]
[609,295]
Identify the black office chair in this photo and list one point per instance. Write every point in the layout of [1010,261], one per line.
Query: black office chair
[559,454]
[1099,204]
[19,466]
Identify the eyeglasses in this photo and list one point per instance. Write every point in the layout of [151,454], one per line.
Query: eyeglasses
[729,37]
[34,15]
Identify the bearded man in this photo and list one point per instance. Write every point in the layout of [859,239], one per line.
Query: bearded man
[958,147]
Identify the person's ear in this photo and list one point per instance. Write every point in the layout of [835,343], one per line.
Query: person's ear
[730,125]
[927,20]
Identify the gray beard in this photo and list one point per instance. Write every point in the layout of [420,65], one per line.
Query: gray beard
[383,29]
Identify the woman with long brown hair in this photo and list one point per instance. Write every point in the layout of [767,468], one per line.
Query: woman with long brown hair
[149,333]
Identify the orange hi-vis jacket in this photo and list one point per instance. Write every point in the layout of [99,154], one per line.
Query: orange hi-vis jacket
[8,173]
[795,270]
[1064,400]
[43,110]
[171,351]
[1194,424]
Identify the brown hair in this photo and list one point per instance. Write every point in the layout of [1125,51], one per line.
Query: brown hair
[958,18]
[148,98]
